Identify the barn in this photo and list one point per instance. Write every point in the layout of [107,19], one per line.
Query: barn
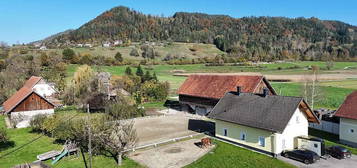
[25,104]
[200,93]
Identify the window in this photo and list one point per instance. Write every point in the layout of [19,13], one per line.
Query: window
[352,130]
[225,132]
[243,136]
[316,145]
[261,141]
[297,120]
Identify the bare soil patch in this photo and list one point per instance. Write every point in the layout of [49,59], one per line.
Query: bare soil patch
[289,78]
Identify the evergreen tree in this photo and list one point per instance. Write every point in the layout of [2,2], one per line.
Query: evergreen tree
[147,76]
[119,57]
[128,71]
[154,77]
[139,71]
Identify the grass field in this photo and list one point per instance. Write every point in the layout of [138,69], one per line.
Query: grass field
[28,153]
[350,83]
[332,97]
[226,156]
[334,91]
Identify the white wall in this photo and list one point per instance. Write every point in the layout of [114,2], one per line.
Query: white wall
[292,130]
[26,116]
[44,89]
[348,131]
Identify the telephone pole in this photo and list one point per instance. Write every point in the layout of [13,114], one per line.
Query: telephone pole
[89,138]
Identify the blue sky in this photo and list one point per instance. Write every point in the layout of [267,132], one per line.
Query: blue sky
[29,20]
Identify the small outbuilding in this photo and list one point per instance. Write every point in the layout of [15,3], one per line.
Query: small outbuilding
[348,120]
[266,123]
[30,100]
[200,93]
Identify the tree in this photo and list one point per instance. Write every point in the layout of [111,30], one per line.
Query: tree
[147,76]
[45,60]
[312,91]
[139,71]
[119,136]
[134,52]
[4,138]
[119,57]
[154,77]
[81,83]
[68,54]
[128,71]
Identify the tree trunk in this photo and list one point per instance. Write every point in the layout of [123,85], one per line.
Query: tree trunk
[119,159]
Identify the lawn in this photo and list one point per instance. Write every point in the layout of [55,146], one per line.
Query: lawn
[330,139]
[28,153]
[226,156]
[332,96]
[350,83]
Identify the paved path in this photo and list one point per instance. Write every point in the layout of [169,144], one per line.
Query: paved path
[322,163]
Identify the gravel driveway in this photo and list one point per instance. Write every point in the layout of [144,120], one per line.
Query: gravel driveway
[329,163]
[160,128]
[170,156]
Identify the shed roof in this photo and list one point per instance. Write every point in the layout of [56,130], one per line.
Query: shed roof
[349,107]
[215,86]
[269,112]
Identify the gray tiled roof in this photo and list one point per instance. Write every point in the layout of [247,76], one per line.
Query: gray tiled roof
[270,113]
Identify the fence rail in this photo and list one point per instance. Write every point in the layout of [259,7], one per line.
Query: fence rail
[163,142]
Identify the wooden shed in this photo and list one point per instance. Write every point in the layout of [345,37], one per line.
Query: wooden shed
[25,104]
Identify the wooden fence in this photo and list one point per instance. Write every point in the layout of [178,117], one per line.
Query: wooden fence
[327,126]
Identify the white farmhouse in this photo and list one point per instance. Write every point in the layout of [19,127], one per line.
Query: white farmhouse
[266,123]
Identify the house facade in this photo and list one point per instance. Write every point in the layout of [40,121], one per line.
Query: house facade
[266,123]
[348,120]
[200,93]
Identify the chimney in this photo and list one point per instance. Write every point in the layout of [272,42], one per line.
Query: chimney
[265,92]
[238,90]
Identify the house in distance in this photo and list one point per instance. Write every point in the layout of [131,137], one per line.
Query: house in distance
[348,120]
[263,122]
[200,93]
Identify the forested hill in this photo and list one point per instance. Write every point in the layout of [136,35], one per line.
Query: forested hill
[256,38]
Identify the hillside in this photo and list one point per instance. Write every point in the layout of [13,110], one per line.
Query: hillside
[253,38]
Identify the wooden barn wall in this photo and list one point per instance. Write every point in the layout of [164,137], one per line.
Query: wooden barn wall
[260,88]
[33,102]
[198,100]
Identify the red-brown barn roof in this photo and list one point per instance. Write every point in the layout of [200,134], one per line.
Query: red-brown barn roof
[349,107]
[215,86]
[32,81]
[15,99]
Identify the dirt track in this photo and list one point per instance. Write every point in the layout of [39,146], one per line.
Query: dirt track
[288,78]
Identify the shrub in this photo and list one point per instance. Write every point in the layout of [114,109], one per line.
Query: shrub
[68,54]
[37,121]
[118,57]
[134,52]
[3,136]
[155,91]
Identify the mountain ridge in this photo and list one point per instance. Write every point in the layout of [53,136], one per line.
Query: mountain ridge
[273,38]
